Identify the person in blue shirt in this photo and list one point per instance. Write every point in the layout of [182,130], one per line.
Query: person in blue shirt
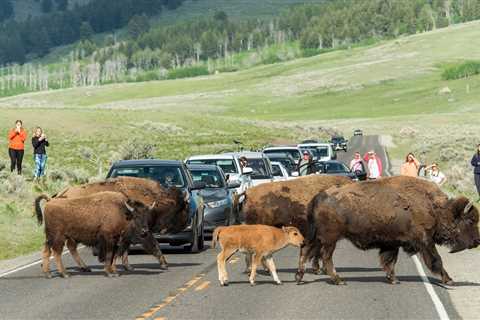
[476,171]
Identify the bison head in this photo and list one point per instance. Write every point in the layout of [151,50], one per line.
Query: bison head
[465,225]
[294,236]
[139,214]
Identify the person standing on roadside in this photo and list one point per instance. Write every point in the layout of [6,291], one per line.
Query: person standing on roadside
[374,165]
[410,167]
[39,143]
[435,175]
[356,165]
[476,171]
[16,146]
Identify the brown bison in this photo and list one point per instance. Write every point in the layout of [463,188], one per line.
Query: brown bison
[169,215]
[285,203]
[104,219]
[388,214]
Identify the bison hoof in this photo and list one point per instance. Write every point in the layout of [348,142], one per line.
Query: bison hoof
[299,277]
[164,266]
[338,281]
[279,283]
[128,268]
[252,284]
[113,275]
[85,269]
[448,282]
[65,275]
[48,275]
[393,280]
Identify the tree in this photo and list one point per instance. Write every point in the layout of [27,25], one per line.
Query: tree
[62,5]
[86,31]
[209,44]
[6,10]
[47,6]
[138,25]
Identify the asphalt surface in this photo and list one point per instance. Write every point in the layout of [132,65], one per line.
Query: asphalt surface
[190,289]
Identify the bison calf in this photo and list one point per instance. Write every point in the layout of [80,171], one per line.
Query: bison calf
[258,240]
[103,220]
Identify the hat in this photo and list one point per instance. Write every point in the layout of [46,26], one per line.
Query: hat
[305,152]
[371,152]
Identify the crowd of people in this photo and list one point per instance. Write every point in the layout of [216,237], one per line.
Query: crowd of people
[16,149]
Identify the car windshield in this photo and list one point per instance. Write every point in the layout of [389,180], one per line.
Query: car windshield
[277,172]
[338,139]
[259,168]
[321,152]
[332,167]
[168,176]
[228,165]
[289,164]
[293,152]
[211,178]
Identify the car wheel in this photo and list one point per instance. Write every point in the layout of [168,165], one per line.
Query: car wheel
[197,243]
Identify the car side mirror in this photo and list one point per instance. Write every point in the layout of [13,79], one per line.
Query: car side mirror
[234,185]
[247,170]
[198,185]
[295,174]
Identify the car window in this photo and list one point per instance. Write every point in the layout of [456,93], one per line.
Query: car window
[335,167]
[168,176]
[322,151]
[277,172]
[227,165]
[259,168]
[293,152]
[211,178]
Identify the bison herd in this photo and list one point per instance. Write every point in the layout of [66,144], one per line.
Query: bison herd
[314,212]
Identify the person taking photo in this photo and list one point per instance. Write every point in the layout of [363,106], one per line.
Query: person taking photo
[476,170]
[16,146]
[39,143]
[410,166]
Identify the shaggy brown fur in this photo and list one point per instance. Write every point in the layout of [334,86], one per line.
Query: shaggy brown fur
[388,214]
[170,214]
[102,219]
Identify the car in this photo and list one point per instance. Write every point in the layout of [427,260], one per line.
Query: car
[339,143]
[218,196]
[338,168]
[230,165]
[286,160]
[357,132]
[294,151]
[259,164]
[170,173]
[280,173]
[320,151]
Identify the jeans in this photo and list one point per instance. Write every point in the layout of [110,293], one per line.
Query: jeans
[40,163]
[477,182]
[16,157]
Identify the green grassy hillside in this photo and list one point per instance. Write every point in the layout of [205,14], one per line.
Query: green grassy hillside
[393,89]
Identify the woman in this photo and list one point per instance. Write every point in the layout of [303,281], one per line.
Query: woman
[435,175]
[410,167]
[39,143]
[374,164]
[356,165]
[476,171]
[16,146]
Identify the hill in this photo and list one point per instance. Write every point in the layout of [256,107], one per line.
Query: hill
[33,8]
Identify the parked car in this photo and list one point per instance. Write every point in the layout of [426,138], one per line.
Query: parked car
[358,132]
[280,173]
[339,143]
[286,160]
[170,174]
[259,163]
[320,151]
[218,196]
[294,151]
[338,168]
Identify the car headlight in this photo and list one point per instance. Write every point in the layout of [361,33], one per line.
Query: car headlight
[216,204]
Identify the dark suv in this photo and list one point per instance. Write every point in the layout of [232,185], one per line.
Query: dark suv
[339,143]
[170,174]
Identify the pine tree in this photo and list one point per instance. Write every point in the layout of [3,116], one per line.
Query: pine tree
[6,10]
[47,6]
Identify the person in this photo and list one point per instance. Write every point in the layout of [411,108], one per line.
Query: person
[39,143]
[410,166]
[374,165]
[476,169]
[243,162]
[16,146]
[305,165]
[434,174]
[356,165]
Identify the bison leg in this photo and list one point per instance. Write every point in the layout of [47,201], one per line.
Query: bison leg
[248,262]
[305,253]
[46,253]
[272,268]
[433,261]
[327,253]
[151,245]
[125,263]
[72,247]
[257,259]
[57,253]
[109,255]
[222,258]
[388,259]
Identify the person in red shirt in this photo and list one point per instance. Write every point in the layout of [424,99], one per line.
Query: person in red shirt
[16,146]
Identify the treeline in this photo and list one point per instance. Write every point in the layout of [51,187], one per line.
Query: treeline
[20,41]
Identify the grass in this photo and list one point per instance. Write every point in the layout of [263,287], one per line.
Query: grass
[394,88]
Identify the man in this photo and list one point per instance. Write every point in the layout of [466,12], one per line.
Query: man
[476,169]
[304,166]
[434,174]
[374,165]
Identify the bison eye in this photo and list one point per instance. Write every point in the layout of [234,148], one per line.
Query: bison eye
[295,234]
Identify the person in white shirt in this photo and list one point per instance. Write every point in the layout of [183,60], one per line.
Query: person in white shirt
[435,175]
[356,165]
[374,165]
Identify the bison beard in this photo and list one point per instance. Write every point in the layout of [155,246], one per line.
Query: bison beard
[388,214]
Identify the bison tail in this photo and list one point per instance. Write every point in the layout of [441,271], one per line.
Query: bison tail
[38,207]
[216,234]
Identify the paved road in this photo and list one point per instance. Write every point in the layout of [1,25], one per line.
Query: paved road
[190,290]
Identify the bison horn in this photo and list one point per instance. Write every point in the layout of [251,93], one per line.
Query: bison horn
[130,208]
[153,205]
[468,207]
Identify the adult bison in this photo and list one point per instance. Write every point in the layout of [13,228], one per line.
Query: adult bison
[105,219]
[170,214]
[390,213]
[285,203]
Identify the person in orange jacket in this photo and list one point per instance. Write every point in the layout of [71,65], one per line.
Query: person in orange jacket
[16,146]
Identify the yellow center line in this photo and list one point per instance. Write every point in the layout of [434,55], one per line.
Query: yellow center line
[203,286]
[161,318]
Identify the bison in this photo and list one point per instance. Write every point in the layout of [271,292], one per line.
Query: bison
[259,240]
[104,219]
[285,203]
[169,215]
[388,214]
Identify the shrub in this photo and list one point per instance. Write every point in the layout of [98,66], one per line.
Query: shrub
[134,149]
[188,72]
[14,184]
[461,70]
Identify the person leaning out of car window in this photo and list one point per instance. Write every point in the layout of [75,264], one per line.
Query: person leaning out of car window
[39,143]
[305,166]
[476,171]
[434,174]
[16,146]
[410,167]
